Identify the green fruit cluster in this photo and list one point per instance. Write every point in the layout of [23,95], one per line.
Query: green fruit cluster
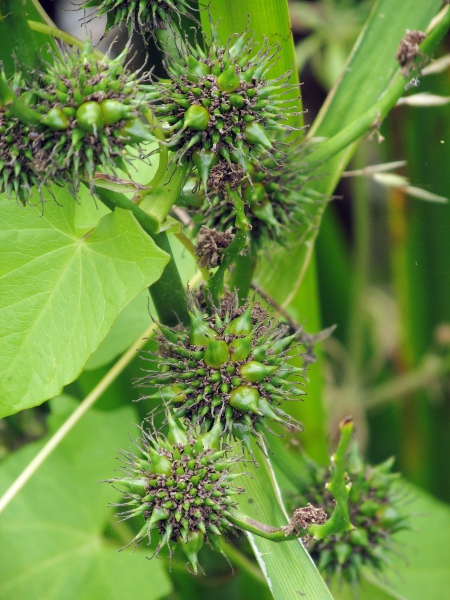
[219,104]
[144,15]
[273,193]
[85,112]
[231,366]
[374,503]
[181,486]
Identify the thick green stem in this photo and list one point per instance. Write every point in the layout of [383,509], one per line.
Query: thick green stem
[241,278]
[67,38]
[274,534]
[340,519]
[168,294]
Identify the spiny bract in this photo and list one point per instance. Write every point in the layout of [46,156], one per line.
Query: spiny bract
[144,15]
[87,109]
[221,104]
[182,487]
[229,365]
[374,503]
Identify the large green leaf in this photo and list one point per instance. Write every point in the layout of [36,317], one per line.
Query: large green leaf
[61,292]
[51,535]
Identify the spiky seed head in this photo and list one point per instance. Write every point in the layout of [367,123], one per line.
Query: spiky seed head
[181,486]
[142,15]
[275,192]
[230,364]
[375,506]
[91,110]
[221,104]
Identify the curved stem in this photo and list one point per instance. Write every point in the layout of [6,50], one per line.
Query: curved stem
[81,410]
[65,37]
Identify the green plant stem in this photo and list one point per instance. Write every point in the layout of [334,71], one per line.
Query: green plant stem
[17,108]
[274,534]
[78,413]
[241,278]
[168,294]
[375,115]
[54,32]
[113,199]
[340,519]
[157,202]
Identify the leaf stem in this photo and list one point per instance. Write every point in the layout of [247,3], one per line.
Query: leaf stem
[67,38]
[79,412]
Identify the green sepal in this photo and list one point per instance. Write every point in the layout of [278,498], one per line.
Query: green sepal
[175,434]
[241,325]
[169,393]
[255,194]
[134,132]
[192,546]
[158,514]
[200,334]
[204,160]
[228,81]
[198,68]
[56,119]
[256,135]
[245,399]
[255,371]
[216,354]
[211,439]
[236,100]
[161,465]
[240,348]
[89,117]
[135,486]
[197,118]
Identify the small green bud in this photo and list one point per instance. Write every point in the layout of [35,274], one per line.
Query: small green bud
[236,100]
[257,135]
[216,354]
[134,132]
[56,119]
[197,118]
[255,371]
[200,333]
[113,111]
[204,160]
[89,117]
[242,325]
[245,399]
[228,81]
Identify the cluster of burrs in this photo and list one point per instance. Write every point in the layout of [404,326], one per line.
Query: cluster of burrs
[69,118]
[230,365]
[143,15]
[375,502]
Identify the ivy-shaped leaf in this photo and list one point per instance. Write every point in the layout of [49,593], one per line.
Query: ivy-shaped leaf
[61,292]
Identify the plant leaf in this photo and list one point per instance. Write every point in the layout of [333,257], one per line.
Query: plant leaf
[60,293]
[51,535]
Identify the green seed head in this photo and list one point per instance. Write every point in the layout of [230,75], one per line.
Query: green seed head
[222,102]
[231,365]
[375,505]
[143,15]
[91,110]
[180,486]
[275,192]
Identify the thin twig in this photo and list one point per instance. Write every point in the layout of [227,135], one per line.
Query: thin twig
[61,433]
